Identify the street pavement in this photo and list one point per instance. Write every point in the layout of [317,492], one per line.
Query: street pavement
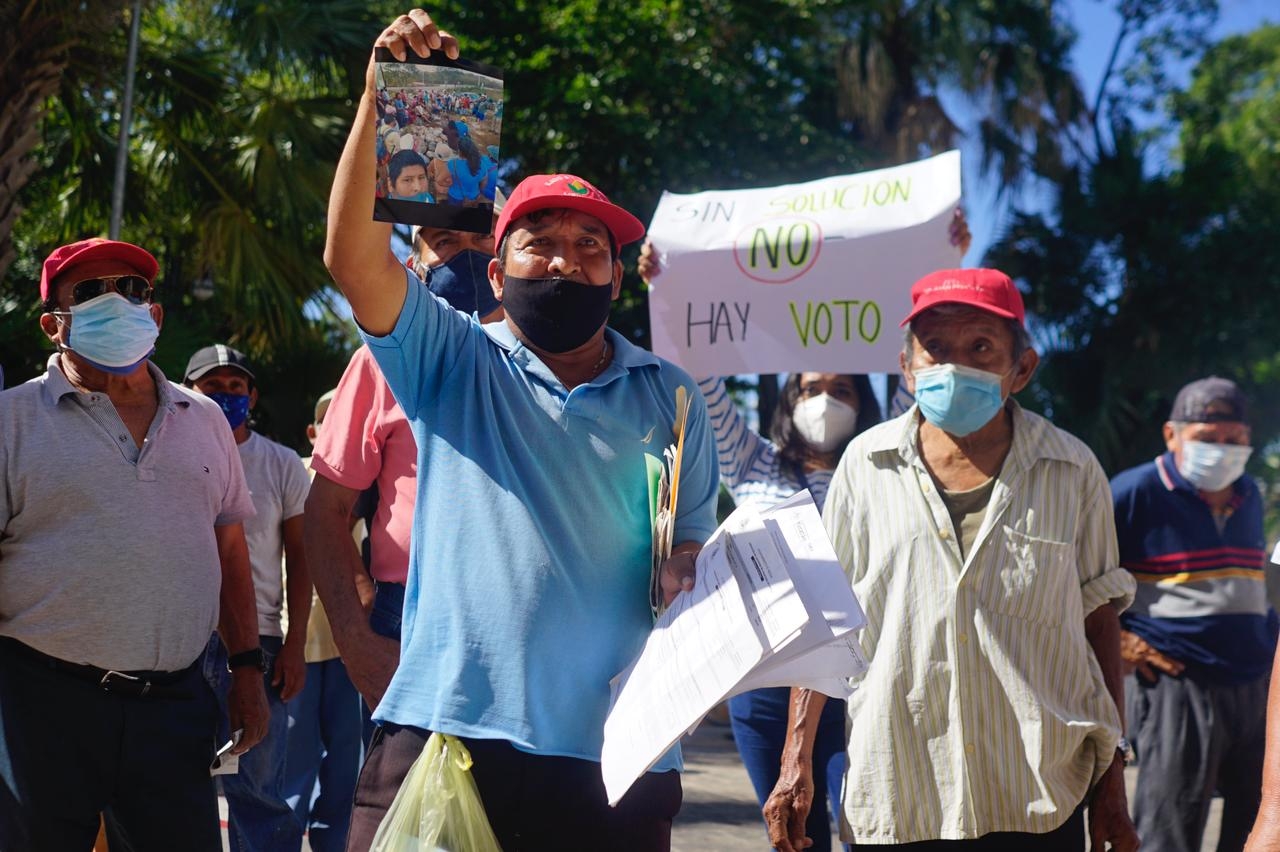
[720,813]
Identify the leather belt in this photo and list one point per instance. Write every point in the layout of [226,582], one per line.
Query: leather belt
[136,684]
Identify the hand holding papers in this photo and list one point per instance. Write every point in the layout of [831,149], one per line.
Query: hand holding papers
[770,607]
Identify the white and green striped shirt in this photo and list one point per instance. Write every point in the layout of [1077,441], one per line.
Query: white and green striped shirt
[984,708]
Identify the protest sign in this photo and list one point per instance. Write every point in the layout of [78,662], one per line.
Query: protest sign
[809,276]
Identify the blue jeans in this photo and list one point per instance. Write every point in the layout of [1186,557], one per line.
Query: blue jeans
[259,817]
[388,609]
[759,722]
[385,618]
[324,754]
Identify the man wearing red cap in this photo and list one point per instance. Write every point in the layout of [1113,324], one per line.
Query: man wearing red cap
[528,579]
[122,503]
[981,543]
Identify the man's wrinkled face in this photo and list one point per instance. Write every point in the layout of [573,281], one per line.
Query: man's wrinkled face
[1176,435]
[57,327]
[970,338]
[562,243]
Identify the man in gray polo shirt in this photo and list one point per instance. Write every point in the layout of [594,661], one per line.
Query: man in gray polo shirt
[121,547]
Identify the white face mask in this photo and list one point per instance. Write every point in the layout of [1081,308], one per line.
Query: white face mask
[824,421]
[1212,467]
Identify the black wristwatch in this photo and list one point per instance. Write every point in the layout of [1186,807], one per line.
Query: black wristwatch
[253,657]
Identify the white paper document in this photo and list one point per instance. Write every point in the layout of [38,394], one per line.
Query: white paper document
[770,607]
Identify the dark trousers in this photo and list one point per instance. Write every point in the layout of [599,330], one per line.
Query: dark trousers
[1191,739]
[1068,837]
[533,802]
[69,751]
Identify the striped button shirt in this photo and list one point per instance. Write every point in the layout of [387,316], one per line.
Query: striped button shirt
[983,708]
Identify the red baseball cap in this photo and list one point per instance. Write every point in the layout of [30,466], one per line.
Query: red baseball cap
[541,192]
[95,248]
[987,290]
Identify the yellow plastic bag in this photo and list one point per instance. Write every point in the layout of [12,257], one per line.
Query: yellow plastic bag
[437,808]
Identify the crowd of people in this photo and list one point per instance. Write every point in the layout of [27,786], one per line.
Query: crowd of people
[437,147]
[471,555]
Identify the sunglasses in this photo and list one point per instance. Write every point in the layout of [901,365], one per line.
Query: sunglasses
[135,288]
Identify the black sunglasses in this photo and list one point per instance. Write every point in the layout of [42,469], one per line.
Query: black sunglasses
[135,288]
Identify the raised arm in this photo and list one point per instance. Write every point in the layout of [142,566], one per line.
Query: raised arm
[357,249]
[744,456]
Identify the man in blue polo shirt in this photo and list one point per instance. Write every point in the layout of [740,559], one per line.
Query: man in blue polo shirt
[528,578]
[1200,635]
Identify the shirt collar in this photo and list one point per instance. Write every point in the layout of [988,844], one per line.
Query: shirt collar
[57,385]
[1034,439]
[626,355]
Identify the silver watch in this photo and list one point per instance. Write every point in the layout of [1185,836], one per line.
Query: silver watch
[1127,754]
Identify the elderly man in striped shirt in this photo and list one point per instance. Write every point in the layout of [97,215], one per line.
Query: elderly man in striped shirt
[981,542]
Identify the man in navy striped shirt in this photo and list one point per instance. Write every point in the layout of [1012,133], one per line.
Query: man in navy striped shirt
[1200,635]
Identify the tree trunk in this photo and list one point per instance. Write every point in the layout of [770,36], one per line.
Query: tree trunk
[36,43]
[766,400]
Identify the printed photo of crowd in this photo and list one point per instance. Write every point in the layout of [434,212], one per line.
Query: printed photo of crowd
[438,134]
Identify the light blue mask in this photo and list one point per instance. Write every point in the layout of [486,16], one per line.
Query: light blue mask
[958,399]
[112,333]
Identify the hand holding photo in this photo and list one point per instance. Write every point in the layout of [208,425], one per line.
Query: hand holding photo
[437,141]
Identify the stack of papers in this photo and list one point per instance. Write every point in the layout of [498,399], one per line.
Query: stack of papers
[770,607]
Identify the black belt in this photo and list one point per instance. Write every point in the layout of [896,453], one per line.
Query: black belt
[137,684]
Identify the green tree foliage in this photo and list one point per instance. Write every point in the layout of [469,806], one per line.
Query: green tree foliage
[1143,280]
[240,111]
[242,107]
[642,96]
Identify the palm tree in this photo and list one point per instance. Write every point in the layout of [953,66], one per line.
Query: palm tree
[39,43]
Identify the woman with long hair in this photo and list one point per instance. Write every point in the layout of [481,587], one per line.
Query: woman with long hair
[470,173]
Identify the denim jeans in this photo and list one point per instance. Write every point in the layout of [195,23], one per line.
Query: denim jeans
[324,754]
[759,722]
[384,618]
[388,609]
[260,820]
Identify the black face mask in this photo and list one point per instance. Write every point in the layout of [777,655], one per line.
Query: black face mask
[556,314]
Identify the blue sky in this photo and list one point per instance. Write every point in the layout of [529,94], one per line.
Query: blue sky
[1097,23]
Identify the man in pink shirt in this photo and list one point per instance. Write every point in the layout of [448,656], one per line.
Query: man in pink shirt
[367,441]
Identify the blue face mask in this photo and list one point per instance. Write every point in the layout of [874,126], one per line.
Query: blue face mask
[112,333]
[421,197]
[958,399]
[234,405]
[463,282]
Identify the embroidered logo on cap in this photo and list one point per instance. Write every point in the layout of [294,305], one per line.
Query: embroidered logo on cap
[578,187]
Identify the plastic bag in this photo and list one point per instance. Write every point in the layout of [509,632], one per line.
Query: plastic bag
[437,808]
